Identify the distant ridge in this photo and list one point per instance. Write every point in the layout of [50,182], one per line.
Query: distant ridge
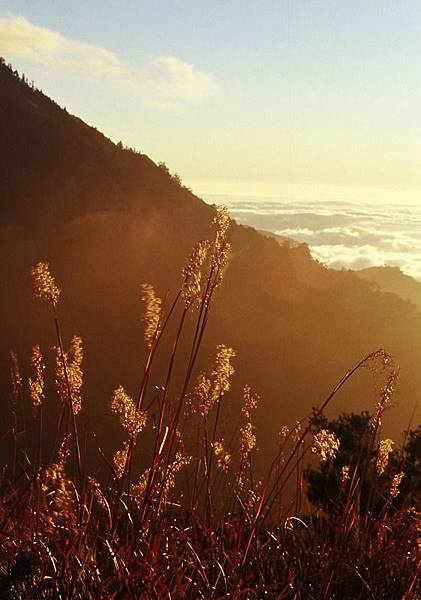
[392,280]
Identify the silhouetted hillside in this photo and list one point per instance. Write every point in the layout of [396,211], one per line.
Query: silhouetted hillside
[391,279]
[108,219]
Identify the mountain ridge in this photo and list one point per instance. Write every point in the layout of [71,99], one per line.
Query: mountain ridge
[108,218]
[393,280]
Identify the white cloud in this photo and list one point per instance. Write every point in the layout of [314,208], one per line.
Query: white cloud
[168,78]
[342,236]
[21,39]
[186,80]
[298,233]
[339,256]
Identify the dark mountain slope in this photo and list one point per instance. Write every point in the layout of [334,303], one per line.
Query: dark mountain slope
[392,280]
[107,219]
[56,167]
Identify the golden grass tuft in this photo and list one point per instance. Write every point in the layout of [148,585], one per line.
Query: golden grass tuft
[180,512]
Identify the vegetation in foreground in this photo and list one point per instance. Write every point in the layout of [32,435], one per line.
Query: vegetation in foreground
[178,511]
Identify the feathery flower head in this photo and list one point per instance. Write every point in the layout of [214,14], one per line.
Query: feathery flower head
[384,451]
[223,458]
[386,374]
[123,406]
[138,490]
[36,384]
[250,401]
[247,436]
[283,434]
[59,498]
[387,390]
[192,274]
[379,361]
[73,368]
[153,310]
[64,450]
[296,432]
[222,220]
[202,391]
[44,284]
[247,439]
[326,444]
[120,459]
[223,369]
[208,389]
[345,474]
[396,481]
[221,246]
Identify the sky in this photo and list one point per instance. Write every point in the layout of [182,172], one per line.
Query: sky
[247,96]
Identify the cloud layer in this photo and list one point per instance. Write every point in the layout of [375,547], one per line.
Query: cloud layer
[168,78]
[343,235]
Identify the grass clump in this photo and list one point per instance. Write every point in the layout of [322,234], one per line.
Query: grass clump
[193,520]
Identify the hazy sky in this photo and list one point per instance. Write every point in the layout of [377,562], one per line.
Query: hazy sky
[229,92]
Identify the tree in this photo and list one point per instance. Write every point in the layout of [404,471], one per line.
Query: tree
[364,464]
[411,465]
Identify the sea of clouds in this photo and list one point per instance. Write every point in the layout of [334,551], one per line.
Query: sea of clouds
[350,235]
